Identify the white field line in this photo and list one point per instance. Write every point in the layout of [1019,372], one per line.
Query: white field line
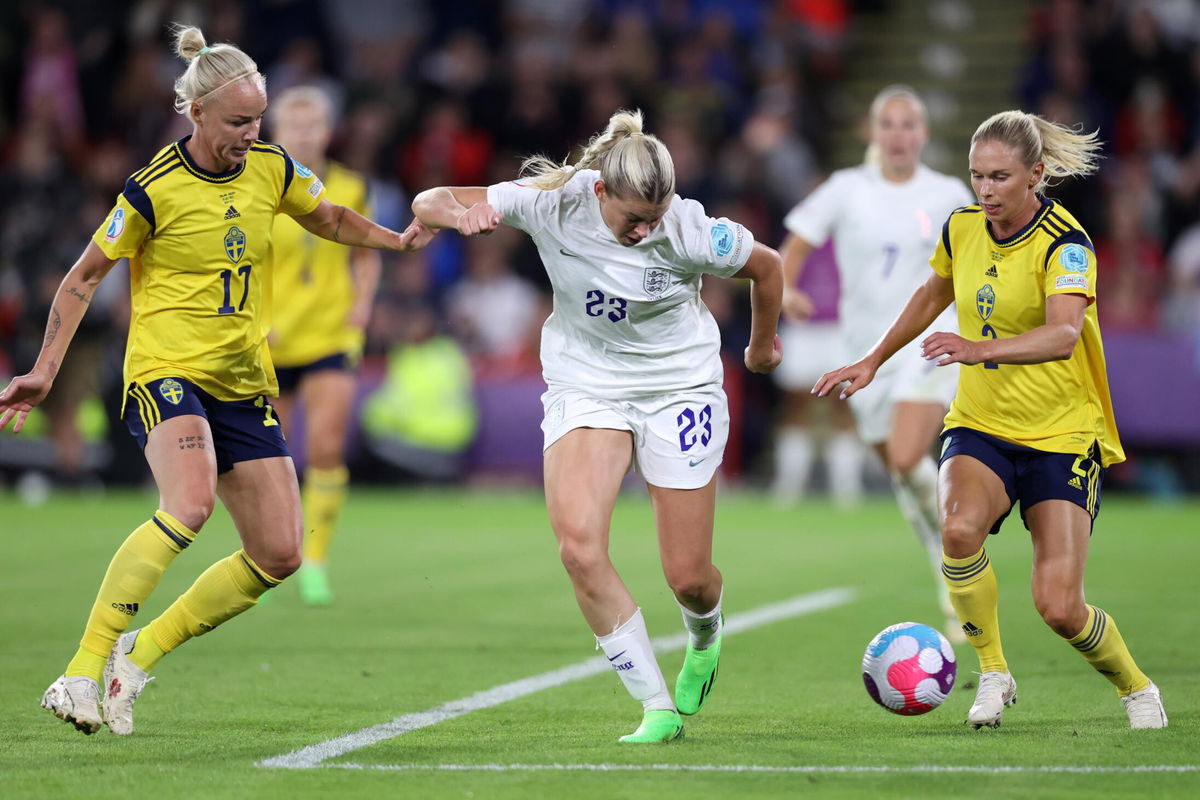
[312,756]
[848,769]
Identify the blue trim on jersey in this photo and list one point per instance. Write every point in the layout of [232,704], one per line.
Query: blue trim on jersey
[946,225]
[157,162]
[1070,237]
[289,167]
[199,171]
[183,543]
[1020,235]
[140,201]
[160,170]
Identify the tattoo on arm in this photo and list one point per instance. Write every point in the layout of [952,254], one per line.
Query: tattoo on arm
[338,229]
[83,298]
[193,443]
[52,327]
[53,368]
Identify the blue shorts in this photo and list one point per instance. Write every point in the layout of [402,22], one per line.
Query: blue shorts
[289,377]
[1030,475]
[242,430]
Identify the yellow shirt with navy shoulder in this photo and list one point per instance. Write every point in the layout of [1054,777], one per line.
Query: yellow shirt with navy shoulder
[198,244]
[314,289]
[1000,287]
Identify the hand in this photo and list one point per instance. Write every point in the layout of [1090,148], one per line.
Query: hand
[797,306]
[951,348]
[415,237]
[25,392]
[761,360]
[858,374]
[479,218]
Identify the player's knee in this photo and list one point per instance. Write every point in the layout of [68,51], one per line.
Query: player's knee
[690,583]
[902,463]
[581,559]
[192,508]
[961,536]
[1065,615]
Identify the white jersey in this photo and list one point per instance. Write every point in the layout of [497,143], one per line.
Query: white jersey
[883,234]
[627,321]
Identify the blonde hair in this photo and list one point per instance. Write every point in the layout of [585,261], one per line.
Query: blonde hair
[632,163]
[209,69]
[301,96]
[895,90]
[1064,151]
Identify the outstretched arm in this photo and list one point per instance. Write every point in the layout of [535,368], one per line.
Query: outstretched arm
[463,208]
[765,272]
[1053,341]
[70,303]
[346,226]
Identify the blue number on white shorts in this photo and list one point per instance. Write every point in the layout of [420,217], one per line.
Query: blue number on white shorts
[688,421]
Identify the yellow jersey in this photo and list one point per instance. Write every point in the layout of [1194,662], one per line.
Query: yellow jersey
[1000,288]
[198,244]
[314,289]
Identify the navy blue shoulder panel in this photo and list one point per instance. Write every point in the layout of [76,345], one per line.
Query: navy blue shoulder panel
[140,201]
[289,169]
[1073,236]
[946,226]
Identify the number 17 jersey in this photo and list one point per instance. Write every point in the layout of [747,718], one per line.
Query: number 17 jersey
[198,245]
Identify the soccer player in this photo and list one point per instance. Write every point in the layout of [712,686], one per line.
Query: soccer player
[630,357]
[322,301]
[195,224]
[882,217]
[1032,420]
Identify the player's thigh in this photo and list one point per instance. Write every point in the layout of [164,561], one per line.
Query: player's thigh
[182,457]
[1061,532]
[263,498]
[328,396]
[583,470]
[914,427]
[972,499]
[684,519]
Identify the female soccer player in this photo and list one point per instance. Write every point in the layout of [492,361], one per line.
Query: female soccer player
[882,217]
[630,357]
[322,301]
[1032,419]
[196,226]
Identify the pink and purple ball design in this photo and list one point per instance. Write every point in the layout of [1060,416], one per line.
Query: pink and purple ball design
[909,668]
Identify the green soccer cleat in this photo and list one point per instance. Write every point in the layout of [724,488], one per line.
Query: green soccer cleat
[314,585]
[696,679]
[661,725]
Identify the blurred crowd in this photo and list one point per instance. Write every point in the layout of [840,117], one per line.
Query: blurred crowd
[745,93]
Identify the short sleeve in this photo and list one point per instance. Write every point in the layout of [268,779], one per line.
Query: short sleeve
[302,189]
[941,260]
[1071,266]
[813,219]
[715,245]
[524,207]
[124,230]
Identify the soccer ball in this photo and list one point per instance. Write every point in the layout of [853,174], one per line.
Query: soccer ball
[909,668]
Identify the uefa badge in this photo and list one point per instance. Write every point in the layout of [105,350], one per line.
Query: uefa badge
[985,301]
[235,244]
[116,226]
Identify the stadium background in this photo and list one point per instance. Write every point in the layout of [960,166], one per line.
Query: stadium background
[757,102]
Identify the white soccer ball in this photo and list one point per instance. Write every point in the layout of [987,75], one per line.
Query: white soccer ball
[909,668]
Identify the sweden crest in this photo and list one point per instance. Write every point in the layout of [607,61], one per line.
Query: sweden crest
[171,390]
[235,244]
[985,301]
[655,281]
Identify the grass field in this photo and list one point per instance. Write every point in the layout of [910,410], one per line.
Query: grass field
[443,595]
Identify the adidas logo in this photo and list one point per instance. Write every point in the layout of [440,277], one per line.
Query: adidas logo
[991,271]
[1075,483]
[970,630]
[127,608]
[232,213]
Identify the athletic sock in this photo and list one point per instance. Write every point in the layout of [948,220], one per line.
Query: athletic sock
[135,569]
[844,456]
[323,497]
[1100,642]
[703,628]
[628,650]
[222,591]
[975,596]
[793,464]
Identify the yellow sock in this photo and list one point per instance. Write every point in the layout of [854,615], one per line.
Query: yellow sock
[324,496]
[222,591]
[1101,644]
[975,597]
[134,571]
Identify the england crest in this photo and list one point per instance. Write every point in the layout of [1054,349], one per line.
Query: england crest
[235,244]
[985,301]
[655,281]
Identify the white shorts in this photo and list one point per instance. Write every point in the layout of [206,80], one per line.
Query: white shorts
[810,349]
[906,378]
[678,440]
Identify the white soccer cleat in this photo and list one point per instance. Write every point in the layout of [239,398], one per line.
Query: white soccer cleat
[75,700]
[123,682]
[1145,709]
[996,690]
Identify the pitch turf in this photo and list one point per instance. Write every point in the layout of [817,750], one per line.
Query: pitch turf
[441,595]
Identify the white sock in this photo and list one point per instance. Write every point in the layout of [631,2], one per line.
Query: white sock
[703,628]
[916,494]
[628,650]
[845,459]
[793,464]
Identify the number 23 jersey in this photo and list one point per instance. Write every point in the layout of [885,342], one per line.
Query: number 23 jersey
[198,244]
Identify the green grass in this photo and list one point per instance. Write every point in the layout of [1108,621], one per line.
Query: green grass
[444,594]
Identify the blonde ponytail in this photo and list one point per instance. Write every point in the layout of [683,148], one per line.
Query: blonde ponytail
[209,69]
[1064,151]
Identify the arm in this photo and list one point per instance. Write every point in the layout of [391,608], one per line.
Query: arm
[930,299]
[346,226]
[795,252]
[365,266]
[464,208]
[1053,341]
[70,303]
[764,270]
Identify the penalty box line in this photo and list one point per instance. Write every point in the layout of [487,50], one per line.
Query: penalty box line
[314,755]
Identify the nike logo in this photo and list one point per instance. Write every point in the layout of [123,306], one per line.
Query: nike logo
[696,461]
[618,655]
[565,253]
